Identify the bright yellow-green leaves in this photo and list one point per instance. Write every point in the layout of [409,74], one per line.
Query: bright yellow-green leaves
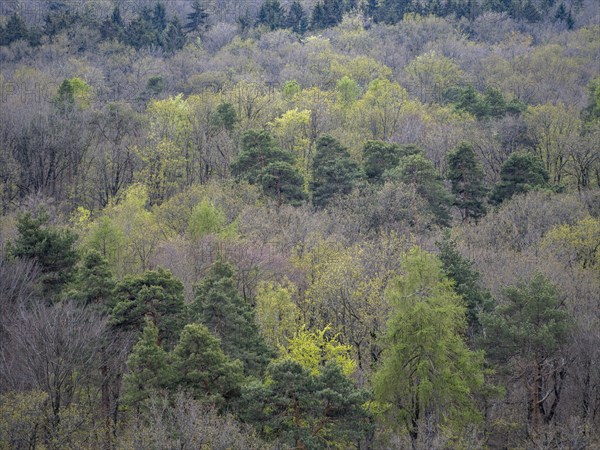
[578,243]
[431,75]
[314,349]
[276,313]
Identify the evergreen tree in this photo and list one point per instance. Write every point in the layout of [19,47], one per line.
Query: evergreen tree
[466,175]
[258,150]
[283,182]
[418,171]
[93,283]
[318,19]
[14,30]
[50,247]
[202,368]
[527,331]
[154,294]
[225,116]
[304,410]
[219,306]
[197,19]
[428,373]
[520,173]
[173,37]
[271,15]
[466,282]
[149,368]
[380,156]
[296,18]
[113,28]
[334,172]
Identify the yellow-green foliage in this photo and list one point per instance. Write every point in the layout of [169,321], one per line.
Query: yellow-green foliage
[578,243]
[276,313]
[313,349]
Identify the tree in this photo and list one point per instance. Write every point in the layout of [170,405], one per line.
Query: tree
[381,156]
[50,247]
[466,282]
[257,151]
[296,18]
[334,172]
[149,368]
[427,374]
[466,175]
[93,283]
[418,171]
[157,295]
[527,332]
[520,173]
[203,369]
[283,182]
[197,18]
[15,30]
[304,410]
[276,313]
[271,15]
[219,306]
[205,219]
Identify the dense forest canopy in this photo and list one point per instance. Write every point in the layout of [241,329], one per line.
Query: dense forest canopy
[369,224]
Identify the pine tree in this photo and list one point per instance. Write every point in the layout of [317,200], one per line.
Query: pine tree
[520,173]
[466,175]
[173,37]
[318,19]
[94,283]
[149,369]
[271,15]
[154,294]
[304,410]
[202,368]
[219,306]
[428,373]
[380,156]
[281,181]
[15,30]
[334,172]
[51,248]
[197,19]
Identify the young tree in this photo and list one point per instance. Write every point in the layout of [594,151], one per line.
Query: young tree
[93,283]
[219,306]
[428,373]
[334,172]
[466,175]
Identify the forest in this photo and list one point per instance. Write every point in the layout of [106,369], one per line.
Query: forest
[307,224]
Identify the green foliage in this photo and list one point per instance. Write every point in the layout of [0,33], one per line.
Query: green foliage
[51,248]
[520,173]
[219,306]
[418,171]
[149,368]
[202,369]
[490,105]
[466,175]
[334,172]
[225,116]
[296,18]
[304,410]
[281,181]
[271,15]
[531,322]
[205,219]
[276,313]
[466,281]
[154,294]
[380,157]
[428,373]
[592,112]
[257,151]
[23,415]
[73,92]
[94,283]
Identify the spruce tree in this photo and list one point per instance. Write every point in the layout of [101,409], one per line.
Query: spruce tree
[219,306]
[93,283]
[520,173]
[281,181]
[197,19]
[296,18]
